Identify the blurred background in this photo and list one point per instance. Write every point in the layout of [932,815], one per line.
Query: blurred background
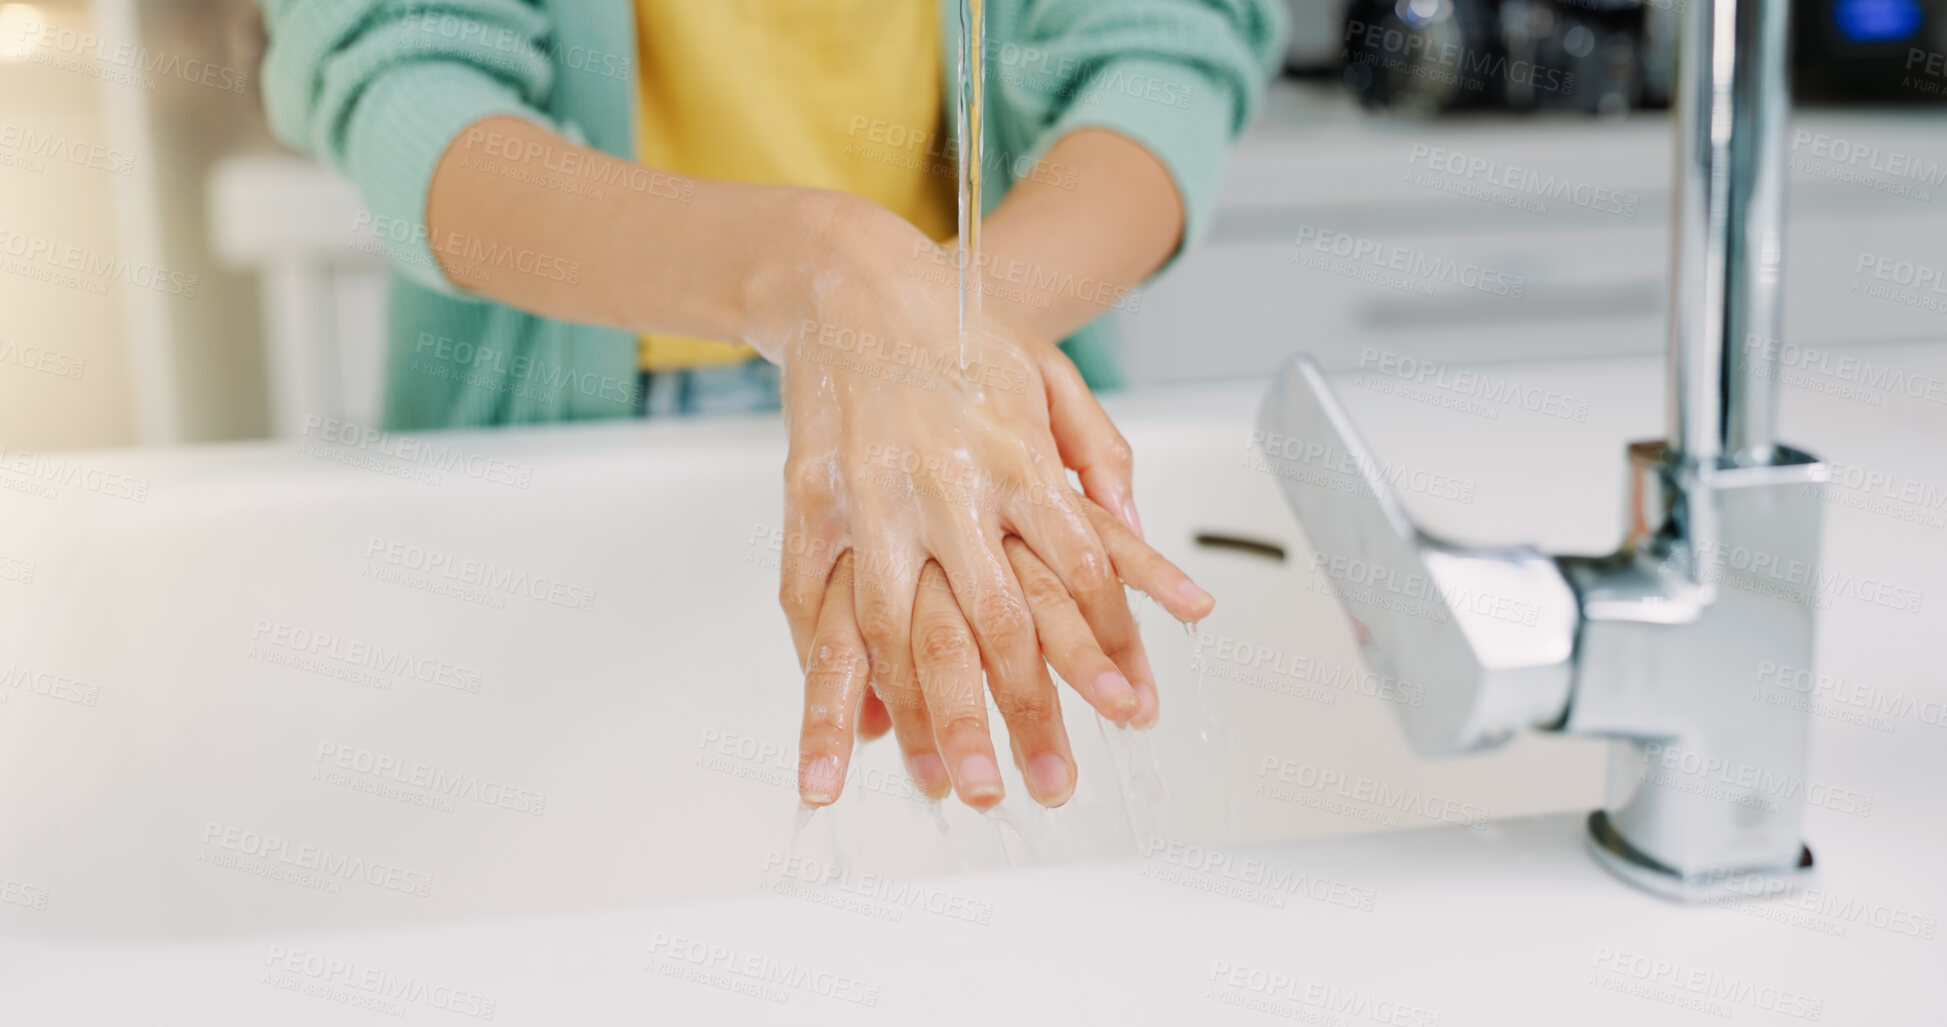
[169,273]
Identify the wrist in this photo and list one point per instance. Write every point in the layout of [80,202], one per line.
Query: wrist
[833,246]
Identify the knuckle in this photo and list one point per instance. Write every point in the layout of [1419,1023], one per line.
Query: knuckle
[1029,708]
[1006,622]
[1117,453]
[960,722]
[945,645]
[1044,590]
[807,480]
[1088,574]
[837,660]
[880,620]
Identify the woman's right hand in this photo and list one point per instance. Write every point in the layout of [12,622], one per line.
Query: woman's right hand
[908,446]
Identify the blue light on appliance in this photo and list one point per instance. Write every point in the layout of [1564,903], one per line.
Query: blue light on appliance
[1877,21]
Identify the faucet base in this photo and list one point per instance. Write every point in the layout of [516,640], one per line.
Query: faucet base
[1617,856]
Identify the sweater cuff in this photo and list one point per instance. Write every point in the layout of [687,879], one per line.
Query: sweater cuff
[403,125]
[1176,112]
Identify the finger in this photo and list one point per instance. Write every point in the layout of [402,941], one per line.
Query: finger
[809,549]
[1032,708]
[1054,527]
[948,662]
[1088,441]
[884,599]
[834,686]
[874,721]
[1066,640]
[1148,571]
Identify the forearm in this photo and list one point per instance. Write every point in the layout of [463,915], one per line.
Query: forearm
[1061,254]
[522,216]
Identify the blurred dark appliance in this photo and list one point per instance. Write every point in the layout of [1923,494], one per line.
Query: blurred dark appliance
[1428,56]
[1874,50]
[1608,56]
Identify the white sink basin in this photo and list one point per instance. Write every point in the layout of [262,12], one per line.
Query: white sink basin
[544,772]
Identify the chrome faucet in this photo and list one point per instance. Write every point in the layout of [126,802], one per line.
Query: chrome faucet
[1665,644]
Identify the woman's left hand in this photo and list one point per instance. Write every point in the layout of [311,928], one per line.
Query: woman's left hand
[843,697]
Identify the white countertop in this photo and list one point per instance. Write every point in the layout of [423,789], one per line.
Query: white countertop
[1510,924]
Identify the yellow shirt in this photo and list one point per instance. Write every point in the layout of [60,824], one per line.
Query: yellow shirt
[829,94]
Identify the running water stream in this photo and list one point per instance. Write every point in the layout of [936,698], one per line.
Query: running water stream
[971,109]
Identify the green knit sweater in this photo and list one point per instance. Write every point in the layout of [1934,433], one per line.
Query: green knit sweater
[380,88]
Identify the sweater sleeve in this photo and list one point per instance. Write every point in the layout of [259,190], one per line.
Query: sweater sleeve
[380,89]
[1180,77]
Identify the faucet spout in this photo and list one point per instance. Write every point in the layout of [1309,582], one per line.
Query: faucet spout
[1727,248]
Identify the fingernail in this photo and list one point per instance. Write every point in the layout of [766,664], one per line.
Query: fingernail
[930,772]
[1131,518]
[1188,591]
[1146,716]
[1115,692]
[979,778]
[821,780]
[1048,778]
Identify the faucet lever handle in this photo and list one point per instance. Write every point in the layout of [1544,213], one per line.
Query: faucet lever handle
[1487,634]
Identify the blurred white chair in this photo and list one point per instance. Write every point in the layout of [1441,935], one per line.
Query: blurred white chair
[294,223]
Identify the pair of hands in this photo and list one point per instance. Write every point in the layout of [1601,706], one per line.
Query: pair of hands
[932,531]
